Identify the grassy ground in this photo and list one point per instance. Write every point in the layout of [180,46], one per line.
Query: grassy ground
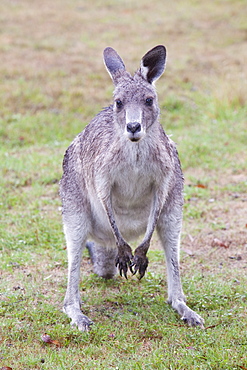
[52,83]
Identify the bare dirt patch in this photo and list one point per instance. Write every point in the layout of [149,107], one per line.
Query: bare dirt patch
[219,236]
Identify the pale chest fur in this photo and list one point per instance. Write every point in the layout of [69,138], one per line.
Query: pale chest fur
[133,181]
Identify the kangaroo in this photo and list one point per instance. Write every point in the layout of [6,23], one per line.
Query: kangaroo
[121,179]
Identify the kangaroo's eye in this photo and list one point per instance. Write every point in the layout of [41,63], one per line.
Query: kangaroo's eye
[149,101]
[119,103]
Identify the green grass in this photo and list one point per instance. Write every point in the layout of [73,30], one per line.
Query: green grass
[207,132]
[53,82]
[134,326]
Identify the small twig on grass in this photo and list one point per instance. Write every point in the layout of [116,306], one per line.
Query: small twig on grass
[213,326]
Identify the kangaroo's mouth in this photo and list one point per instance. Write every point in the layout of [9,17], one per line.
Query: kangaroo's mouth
[134,139]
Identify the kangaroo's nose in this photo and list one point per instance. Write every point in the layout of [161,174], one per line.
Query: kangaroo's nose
[133,127]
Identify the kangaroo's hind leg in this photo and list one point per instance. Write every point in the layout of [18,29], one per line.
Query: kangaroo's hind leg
[169,228]
[103,259]
[75,230]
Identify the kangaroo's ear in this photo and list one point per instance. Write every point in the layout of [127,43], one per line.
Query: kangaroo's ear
[153,63]
[114,64]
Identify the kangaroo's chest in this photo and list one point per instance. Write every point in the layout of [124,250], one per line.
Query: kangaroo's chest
[132,189]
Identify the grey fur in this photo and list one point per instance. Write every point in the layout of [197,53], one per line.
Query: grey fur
[122,178]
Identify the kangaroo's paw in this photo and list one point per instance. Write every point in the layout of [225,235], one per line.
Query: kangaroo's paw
[82,322]
[190,317]
[140,263]
[123,261]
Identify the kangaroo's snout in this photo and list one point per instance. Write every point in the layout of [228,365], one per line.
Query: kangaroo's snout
[134,131]
[133,127]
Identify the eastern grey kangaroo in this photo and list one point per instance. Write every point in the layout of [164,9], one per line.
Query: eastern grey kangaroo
[122,179]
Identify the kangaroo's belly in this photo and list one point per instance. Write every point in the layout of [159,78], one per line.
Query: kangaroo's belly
[131,211]
[132,195]
[132,207]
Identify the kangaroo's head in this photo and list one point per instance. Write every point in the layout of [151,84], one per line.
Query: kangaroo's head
[135,99]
